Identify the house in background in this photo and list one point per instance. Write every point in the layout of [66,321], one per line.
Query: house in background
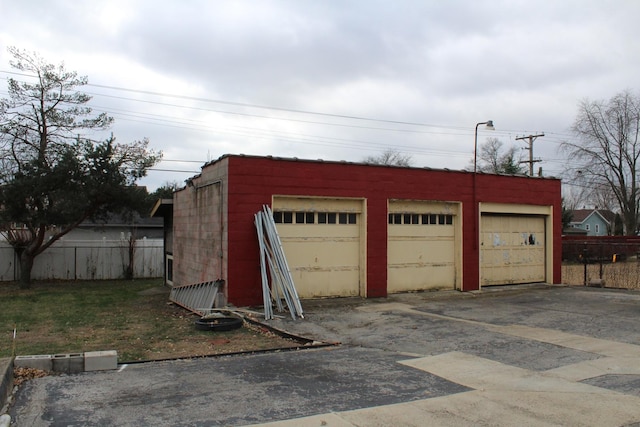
[116,227]
[111,246]
[595,222]
[95,250]
[353,229]
[113,227]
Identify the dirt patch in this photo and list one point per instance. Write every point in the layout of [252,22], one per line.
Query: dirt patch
[135,318]
[193,343]
[180,338]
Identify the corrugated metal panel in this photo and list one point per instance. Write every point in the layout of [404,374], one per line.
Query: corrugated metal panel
[199,298]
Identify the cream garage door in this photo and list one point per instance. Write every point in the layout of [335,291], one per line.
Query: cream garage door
[421,246]
[512,249]
[321,240]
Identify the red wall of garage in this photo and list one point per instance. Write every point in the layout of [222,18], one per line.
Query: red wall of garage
[252,181]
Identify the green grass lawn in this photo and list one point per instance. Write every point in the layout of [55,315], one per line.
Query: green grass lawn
[133,317]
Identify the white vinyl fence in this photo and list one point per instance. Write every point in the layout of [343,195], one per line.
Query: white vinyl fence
[87,260]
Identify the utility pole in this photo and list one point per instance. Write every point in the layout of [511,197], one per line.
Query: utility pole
[531,138]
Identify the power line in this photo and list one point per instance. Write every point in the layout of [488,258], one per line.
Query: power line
[294,137]
[241,104]
[172,170]
[182,161]
[274,108]
[464,129]
[164,120]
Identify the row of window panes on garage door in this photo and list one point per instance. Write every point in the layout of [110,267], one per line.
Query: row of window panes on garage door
[285,217]
[424,219]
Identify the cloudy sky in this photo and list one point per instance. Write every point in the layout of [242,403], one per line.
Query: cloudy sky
[334,80]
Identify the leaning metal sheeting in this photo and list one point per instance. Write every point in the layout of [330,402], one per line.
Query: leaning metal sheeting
[272,258]
[268,310]
[287,287]
[199,298]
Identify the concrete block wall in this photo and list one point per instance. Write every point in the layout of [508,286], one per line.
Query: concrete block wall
[100,360]
[43,362]
[70,363]
[199,228]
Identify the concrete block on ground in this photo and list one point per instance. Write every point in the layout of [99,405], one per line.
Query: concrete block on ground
[100,360]
[72,363]
[36,361]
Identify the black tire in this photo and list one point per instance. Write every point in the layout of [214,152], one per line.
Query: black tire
[218,324]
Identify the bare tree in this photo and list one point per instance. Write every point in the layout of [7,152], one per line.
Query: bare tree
[492,158]
[580,192]
[574,194]
[390,157]
[607,151]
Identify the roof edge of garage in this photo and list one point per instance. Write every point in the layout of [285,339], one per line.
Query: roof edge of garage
[346,162]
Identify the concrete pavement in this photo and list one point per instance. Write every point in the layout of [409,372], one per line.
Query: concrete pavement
[545,355]
[6,381]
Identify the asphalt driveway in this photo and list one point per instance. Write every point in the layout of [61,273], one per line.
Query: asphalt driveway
[542,355]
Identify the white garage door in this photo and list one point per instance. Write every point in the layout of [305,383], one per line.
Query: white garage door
[421,246]
[321,240]
[512,249]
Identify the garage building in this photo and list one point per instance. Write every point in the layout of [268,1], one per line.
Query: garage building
[351,229]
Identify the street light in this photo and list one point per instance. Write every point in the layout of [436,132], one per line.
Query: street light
[476,218]
[489,124]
